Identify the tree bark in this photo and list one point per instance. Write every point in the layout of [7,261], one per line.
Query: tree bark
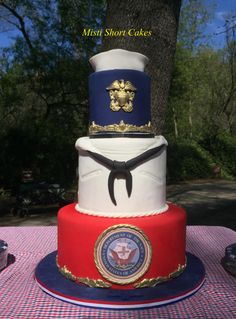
[161,18]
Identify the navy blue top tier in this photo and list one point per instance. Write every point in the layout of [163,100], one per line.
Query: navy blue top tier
[119,98]
[119,101]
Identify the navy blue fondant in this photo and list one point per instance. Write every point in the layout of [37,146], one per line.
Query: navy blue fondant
[52,280]
[99,99]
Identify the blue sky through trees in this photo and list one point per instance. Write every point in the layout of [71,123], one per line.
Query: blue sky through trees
[214,29]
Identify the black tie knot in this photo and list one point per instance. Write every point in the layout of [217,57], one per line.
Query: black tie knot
[119,166]
[123,168]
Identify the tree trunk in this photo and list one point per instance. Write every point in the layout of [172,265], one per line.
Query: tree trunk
[161,18]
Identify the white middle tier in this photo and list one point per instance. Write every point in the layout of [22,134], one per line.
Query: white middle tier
[148,194]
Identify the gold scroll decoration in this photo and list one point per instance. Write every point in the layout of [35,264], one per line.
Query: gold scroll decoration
[152,282]
[94,283]
[120,127]
[98,283]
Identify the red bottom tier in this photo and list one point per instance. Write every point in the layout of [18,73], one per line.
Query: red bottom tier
[121,253]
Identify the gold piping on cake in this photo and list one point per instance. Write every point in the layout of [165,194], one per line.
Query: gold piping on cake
[121,127]
[94,283]
[152,282]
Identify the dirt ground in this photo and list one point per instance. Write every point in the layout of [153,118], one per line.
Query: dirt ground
[207,202]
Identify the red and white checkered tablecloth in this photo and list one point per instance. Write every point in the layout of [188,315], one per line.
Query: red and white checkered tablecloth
[20,296]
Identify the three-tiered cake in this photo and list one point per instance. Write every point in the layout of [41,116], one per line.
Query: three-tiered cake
[121,236]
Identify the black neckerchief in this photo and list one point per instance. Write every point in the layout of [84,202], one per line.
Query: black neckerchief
[123,168]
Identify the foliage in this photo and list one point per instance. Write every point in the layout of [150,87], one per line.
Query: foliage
[186,160]
[201,114]
[210,89]
[193,19]
[44,94]
[43,86]
[223,149]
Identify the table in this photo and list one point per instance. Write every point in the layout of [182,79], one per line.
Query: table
[20,297]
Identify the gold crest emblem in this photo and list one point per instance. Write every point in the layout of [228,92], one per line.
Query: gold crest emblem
[122,94]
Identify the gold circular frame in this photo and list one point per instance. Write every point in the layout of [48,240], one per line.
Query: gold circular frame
[99,262]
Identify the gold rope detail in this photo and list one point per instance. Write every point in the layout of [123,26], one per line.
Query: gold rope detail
[94,283]
[152,282]
[121,127]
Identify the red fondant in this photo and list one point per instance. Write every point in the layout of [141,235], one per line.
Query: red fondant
[78,233]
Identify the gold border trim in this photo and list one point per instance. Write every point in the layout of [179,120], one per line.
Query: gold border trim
[98,283]
[146,262]
[94,283]
[152,282]
[121,127]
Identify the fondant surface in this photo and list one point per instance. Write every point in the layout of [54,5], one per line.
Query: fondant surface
[78,234]
[118,59]
[100,100]
[148,194]
[119,94]
[51,281]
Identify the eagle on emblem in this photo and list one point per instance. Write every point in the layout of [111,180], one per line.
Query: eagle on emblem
[121,94]
[123,261]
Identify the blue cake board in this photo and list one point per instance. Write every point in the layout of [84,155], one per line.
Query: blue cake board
[51,281]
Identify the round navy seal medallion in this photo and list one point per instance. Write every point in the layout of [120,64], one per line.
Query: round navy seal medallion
[122,254]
